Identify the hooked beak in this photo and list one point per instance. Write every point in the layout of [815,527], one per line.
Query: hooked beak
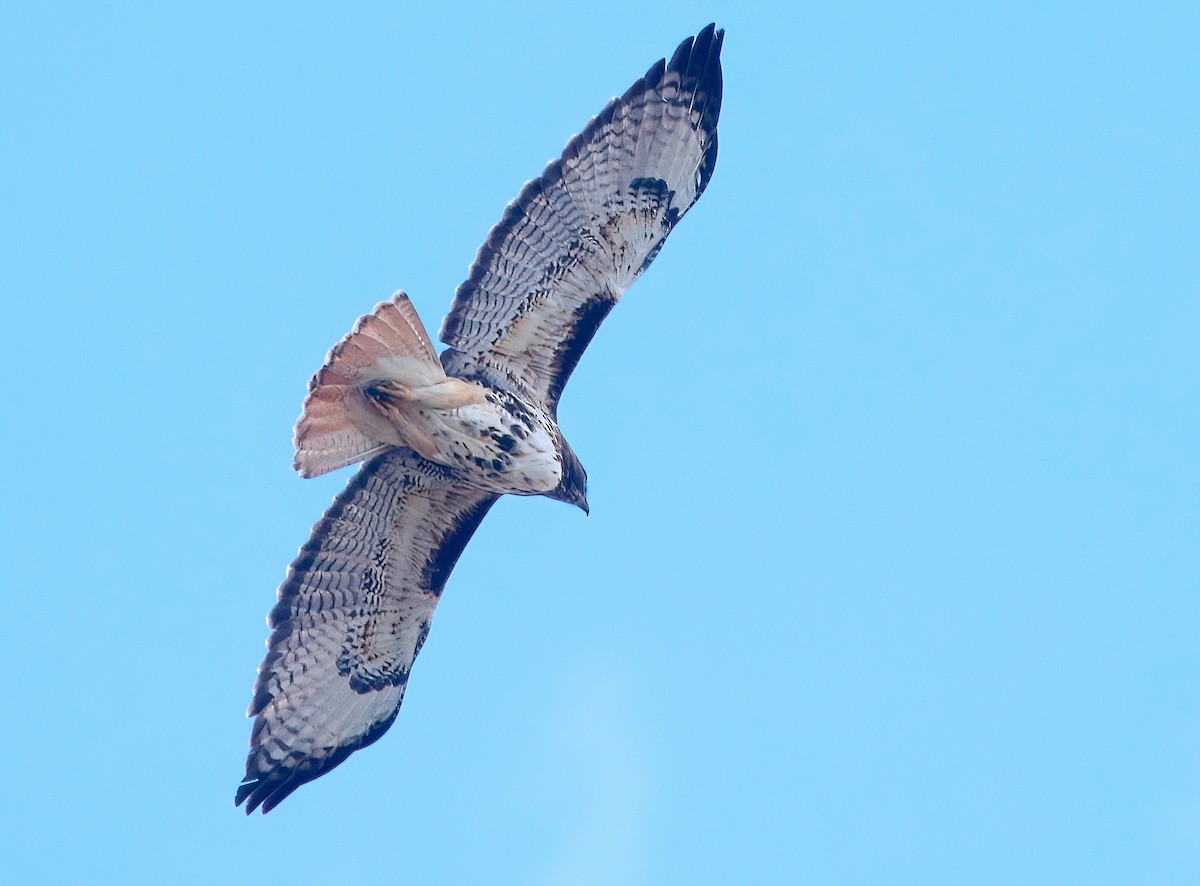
[573,488]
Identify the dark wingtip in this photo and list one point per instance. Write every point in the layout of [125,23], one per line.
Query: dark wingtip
[267,789]
[682,53]
[696,64]
[268,786]
[245,792]
[695,58]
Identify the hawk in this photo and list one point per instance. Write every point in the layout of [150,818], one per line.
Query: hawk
[443,438]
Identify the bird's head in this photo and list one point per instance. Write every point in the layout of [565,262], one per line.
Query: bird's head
[573,487]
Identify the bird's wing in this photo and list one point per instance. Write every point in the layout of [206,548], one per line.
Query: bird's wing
[573,241]
[352,614]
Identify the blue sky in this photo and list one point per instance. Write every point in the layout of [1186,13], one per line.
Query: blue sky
[892,570]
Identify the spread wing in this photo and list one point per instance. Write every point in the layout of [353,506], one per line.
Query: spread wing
[352,614]
[577,237]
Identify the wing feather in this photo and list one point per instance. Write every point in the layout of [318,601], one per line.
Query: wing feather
[352,615]
[575,239]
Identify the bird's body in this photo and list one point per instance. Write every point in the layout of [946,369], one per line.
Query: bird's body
[443,437]
[502,444]
[383,386]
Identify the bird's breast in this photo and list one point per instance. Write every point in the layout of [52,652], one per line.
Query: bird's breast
[501,444]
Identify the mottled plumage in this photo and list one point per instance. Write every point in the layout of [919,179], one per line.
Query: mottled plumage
[443,439]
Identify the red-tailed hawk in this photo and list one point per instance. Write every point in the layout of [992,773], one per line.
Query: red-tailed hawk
[443,439]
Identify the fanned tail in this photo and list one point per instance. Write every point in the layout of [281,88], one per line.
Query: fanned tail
[338,426]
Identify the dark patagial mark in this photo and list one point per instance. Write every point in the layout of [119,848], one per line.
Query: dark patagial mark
[587,319]
[442,560]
